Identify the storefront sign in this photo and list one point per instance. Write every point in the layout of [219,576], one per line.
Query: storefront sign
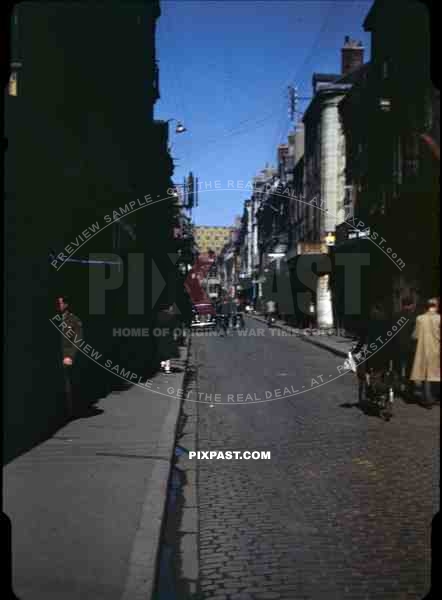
[312,248]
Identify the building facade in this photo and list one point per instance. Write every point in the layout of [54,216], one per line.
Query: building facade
[391,174]
[319,190]
[82,143]
[211,238]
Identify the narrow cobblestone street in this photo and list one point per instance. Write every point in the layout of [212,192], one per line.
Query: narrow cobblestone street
[222,300]
[342,510]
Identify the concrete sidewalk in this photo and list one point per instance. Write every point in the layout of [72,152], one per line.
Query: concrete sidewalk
[338,345]
[87,505]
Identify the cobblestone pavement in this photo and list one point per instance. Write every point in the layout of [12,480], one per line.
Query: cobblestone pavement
[341,511]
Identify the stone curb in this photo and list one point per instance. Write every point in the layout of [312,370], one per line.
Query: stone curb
[310,339]
[188,530]
[141,578]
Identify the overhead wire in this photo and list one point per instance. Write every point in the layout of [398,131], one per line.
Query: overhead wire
[282,126]
[319,38]
[255,120]
[282,123]
[221,139]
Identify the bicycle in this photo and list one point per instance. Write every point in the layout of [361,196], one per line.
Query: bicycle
[238,321]
[376,385]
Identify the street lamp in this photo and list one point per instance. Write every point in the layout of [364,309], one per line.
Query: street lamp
[179,126]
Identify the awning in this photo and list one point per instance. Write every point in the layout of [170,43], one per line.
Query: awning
[308,248]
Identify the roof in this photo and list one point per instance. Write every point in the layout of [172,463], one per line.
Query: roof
[355,75]
[372,15]
[339,84]
[325,77]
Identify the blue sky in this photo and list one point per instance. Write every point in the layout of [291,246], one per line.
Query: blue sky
[224,70]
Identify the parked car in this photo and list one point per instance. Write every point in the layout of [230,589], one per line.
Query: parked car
[204,315]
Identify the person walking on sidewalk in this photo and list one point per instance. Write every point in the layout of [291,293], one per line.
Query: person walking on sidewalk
[426,365]
[226,314]
[239,318]
[74,330]
[270,310]
[219,315]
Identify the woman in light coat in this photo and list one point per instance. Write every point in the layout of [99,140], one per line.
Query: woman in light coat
[426,365]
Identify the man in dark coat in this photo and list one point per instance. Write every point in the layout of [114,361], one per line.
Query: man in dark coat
[219,315]
[227,312]
[373,335]
[72,335]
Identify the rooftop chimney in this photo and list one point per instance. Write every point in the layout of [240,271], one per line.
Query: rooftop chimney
[352,55]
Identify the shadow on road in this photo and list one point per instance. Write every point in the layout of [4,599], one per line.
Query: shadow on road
[368,410]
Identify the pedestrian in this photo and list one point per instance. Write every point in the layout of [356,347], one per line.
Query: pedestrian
[71,332]
[373,335]
[307,310]
[234,311]
[270,308]
[405,343]
[426,365]
[239,303]
[311,315]
[226,314]
[219,315]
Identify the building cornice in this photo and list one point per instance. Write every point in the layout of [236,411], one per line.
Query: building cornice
[329,95]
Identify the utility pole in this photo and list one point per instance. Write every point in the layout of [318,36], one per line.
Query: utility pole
[293,102]
[293,99]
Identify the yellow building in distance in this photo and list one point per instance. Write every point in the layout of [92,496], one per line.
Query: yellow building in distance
[212,238]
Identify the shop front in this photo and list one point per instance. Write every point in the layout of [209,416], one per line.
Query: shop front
[310,281]
[362,275]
